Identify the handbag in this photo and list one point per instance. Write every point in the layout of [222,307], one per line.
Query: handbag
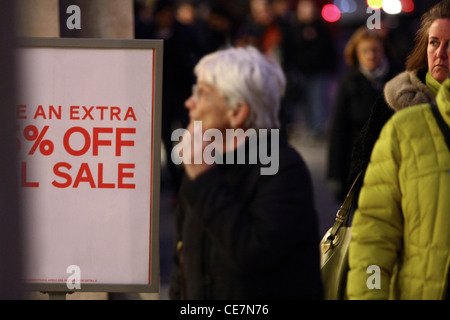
[334,248]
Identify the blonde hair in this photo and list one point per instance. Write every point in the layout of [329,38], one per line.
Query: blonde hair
[362,33]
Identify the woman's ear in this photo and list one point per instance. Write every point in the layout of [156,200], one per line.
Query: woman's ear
[239,115]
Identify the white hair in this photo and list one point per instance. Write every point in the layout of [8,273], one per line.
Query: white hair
[246,75]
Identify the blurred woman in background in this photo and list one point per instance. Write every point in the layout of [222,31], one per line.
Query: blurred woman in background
[370,68]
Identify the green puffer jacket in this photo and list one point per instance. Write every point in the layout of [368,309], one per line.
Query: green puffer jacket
[402,224]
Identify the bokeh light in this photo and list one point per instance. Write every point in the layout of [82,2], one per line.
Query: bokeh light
[346,6]
[331,13]
[375,4]
[407,5]
[392,6]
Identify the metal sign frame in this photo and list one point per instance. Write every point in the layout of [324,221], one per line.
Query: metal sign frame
[58,289]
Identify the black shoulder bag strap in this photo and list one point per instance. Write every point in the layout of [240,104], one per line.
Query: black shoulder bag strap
[441,122]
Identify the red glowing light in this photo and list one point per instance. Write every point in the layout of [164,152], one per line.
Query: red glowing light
[331,13]
[407,5]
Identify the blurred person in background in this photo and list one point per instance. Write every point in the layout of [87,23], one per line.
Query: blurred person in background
[185,12]
[402,225]
[261,29]
[182,50]
[366,53]
[216,26]
[241,234]
[426,69]
[281,8]
[143,17]
[309,60]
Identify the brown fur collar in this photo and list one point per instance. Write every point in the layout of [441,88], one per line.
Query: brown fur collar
[405,90]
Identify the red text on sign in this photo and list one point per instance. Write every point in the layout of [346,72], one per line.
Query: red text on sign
[101,113]
[109,113]
[23,178]
[84,175]
[100,137]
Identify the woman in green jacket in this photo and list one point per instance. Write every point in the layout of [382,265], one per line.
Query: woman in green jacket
[419,84]
[400,246]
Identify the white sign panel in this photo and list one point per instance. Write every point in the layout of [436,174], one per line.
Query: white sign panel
[88,138]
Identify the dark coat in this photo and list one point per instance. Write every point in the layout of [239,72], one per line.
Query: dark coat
[380,114]
[247,235]
[355,99]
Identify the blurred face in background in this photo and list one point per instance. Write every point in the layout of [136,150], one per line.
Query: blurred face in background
[306,11]
[437,54]
[280,7]
[370,53]
[261,12]
[166,17]
[186,13]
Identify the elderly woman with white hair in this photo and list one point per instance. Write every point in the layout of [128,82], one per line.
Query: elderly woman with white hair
[241,232]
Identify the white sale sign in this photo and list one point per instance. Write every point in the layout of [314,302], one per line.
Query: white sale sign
[88,138]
